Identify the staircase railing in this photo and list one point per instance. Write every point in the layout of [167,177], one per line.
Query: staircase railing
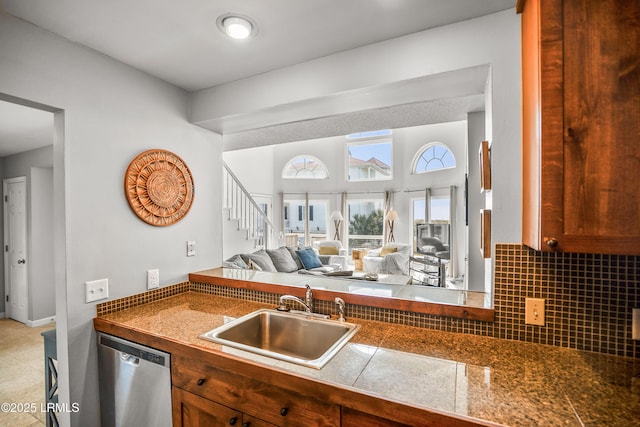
[248,213]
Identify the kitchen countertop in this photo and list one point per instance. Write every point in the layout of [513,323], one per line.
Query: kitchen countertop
[500,381]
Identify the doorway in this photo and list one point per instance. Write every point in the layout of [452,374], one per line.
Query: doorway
[26,166]
[18,120]
[14,191]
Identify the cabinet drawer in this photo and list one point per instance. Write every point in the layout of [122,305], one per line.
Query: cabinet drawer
[253,397]
[190,410]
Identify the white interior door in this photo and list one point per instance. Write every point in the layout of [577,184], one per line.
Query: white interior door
[15,248]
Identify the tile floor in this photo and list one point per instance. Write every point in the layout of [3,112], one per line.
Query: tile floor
[22,372]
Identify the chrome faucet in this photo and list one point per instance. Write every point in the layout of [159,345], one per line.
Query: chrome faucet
[340,302]
[283,306]
[307,303]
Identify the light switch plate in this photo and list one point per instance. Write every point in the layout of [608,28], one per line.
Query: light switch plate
[153,279]
[534,311]
[96,290]
[191,248]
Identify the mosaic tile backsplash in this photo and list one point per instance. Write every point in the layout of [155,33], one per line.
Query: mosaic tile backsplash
[589,298]
[589,301]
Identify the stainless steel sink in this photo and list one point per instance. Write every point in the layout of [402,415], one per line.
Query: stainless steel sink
[295,338]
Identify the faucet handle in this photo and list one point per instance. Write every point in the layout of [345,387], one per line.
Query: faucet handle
[309,297]
[340,302]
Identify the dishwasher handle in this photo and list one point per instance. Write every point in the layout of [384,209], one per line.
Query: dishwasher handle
[128,358]
[133,354]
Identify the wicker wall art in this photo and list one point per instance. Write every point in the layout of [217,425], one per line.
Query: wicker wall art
[159,187]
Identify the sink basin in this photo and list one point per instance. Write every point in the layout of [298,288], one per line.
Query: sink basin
[295,338]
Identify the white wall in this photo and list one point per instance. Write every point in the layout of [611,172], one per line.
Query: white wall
[476,202]
[492,39]
[112,112]
[41,268]
[251,166]
[254,168]
[406,142]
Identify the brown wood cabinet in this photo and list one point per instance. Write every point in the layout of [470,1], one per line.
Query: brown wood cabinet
[190,410]
[217,389]
[205,395]
[581,125]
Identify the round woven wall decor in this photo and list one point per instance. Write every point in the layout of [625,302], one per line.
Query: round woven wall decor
[159,187]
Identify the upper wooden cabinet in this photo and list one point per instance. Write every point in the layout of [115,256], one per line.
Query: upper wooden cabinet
[581,125]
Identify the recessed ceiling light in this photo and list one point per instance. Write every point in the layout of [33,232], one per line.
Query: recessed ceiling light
[237,26]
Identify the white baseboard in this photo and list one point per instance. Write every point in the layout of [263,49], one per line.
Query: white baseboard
[2,316]
[41,322]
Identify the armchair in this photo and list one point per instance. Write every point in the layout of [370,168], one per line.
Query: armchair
[392,258]
[331,252]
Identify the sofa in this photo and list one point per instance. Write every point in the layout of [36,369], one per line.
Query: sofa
[331,252]
[392,258]
[285,259]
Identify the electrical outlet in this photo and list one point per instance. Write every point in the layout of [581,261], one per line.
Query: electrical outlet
[96,290]
[635,324]
[534,311]
[191,248]
[153,279]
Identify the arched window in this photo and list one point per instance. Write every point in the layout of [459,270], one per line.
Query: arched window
[305,167]
[433,156]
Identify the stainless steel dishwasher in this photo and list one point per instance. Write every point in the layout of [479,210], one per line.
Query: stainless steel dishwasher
[135,384]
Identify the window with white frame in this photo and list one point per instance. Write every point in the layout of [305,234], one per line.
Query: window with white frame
[306,230]
[305,167]
[365,223]
[432,157]
[370,156]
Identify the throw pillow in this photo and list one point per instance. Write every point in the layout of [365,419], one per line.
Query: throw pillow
[328,250]
[388,250]
[282,260]
[294,255]
[235,261]
[309,258]
[261,259]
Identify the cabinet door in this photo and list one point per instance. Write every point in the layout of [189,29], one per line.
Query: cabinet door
[602,122]
[190,410]
[581,109]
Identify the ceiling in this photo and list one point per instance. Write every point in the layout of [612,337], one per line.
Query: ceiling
[179,42]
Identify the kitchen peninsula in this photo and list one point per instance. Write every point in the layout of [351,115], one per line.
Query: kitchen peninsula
[387,374]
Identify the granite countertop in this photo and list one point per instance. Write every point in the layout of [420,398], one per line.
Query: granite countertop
[505,382]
